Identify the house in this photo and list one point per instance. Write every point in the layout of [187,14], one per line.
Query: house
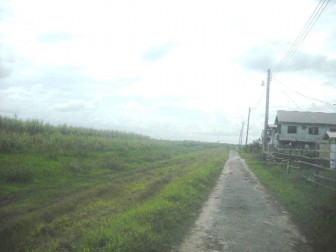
[331,147]
[330,136]
[271,139]
[302,129]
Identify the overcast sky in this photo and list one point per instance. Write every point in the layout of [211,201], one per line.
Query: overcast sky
[177,69]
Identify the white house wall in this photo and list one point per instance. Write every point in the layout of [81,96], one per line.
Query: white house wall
[302,133]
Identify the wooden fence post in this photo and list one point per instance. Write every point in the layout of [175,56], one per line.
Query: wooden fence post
[288,167]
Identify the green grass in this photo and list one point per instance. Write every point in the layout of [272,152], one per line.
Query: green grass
[74,189]
[313,208]
[163,220]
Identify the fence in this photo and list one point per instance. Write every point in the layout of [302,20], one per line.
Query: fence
[304,163]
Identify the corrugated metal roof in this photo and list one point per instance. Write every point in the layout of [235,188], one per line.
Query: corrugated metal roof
[329,135]
[306,117]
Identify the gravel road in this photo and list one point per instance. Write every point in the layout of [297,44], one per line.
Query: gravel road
[240,215]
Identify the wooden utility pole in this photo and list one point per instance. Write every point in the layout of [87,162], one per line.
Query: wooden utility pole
[241,134]
[265,142]
[248,125]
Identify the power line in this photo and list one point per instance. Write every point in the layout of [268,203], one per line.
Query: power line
[288,96]
[257,103]
[319,9]
[307,115]
[303,95]
[303,34]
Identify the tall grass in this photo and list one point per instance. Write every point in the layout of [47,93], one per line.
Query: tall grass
[33,136]
[17,136]
[66,189]
[34,126]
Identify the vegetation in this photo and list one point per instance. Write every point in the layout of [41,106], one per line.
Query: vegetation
[313,208]
[75,189]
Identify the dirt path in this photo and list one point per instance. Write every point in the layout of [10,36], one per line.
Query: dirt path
[241,215]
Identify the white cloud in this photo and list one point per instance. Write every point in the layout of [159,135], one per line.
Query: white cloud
[169,69]
[157,53]
[72,106]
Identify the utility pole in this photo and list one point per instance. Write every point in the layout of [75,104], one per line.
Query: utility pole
[265,142]
[248,125]
[241,134]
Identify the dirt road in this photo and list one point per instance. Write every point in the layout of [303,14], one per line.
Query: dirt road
[241,215]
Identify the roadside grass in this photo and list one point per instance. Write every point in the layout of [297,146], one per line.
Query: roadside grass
[162,221]
[74,189]
[312,208]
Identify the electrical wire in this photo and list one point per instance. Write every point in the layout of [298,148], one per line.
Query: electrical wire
[288,96]
[303,95]
[257,103]
[307,115]
[319,9]
[303,34]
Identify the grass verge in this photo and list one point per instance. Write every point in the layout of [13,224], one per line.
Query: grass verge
[312,208]
[164,220]
[74,189]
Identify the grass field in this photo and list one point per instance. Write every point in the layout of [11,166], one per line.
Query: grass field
[313,208]
[73,189]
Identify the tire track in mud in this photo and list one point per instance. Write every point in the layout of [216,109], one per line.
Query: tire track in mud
[240,215]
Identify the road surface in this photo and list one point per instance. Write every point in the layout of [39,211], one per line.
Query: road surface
[240,215]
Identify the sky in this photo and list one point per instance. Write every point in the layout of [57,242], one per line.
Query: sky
[175,70]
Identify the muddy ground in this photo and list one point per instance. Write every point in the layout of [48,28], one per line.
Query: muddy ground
[240,215]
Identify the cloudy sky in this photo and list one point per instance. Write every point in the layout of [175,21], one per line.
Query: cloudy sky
[177,69]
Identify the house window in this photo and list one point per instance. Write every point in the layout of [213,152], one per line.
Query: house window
[333,129]
[313,130]
[291,129]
